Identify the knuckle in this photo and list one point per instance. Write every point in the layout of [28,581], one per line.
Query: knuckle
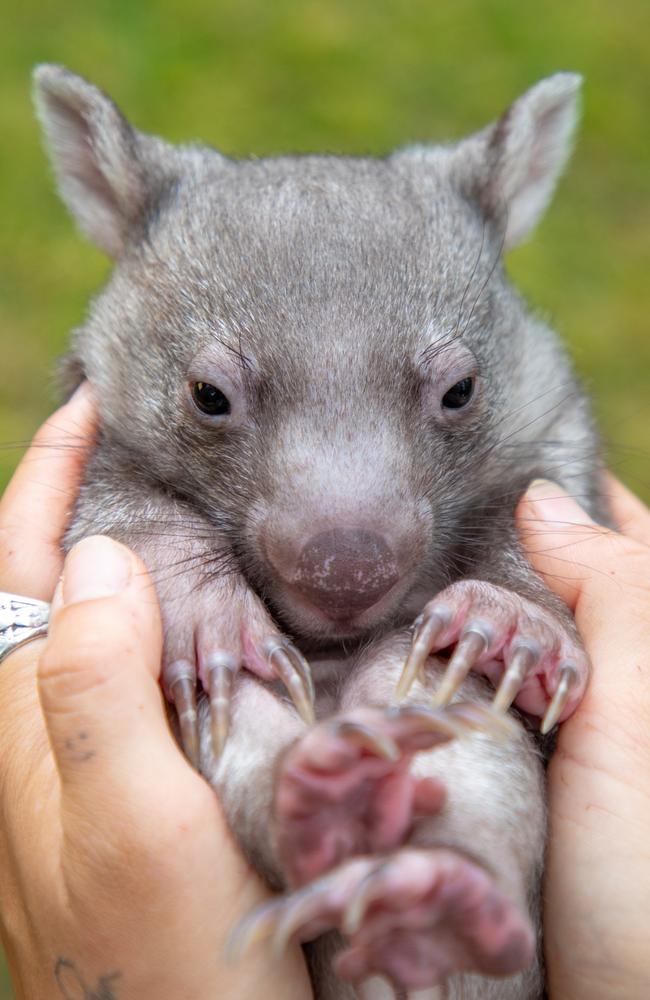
[64,673]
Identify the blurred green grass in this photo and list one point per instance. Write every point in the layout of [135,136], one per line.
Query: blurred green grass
[253,77]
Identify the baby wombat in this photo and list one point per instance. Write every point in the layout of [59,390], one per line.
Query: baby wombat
[320,402]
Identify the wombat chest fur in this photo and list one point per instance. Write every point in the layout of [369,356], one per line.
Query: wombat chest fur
[320,402]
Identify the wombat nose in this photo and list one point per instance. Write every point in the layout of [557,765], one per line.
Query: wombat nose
[344,571]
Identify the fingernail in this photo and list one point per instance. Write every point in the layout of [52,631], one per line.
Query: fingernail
[553,504]
[95,567]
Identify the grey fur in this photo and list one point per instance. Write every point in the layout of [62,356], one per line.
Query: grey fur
[332,296]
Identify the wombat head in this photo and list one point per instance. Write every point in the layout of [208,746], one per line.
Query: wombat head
[321,354]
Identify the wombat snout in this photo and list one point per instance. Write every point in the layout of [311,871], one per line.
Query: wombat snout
[344,571]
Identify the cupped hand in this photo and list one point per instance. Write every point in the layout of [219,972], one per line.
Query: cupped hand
[119,876]
[597,888]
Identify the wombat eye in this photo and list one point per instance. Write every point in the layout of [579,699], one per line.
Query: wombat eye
[210,400]
[459,395]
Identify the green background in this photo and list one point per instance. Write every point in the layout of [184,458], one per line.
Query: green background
[266,76]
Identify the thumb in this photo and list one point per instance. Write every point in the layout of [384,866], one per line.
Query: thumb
[602,575]
[98,679]
[577,558]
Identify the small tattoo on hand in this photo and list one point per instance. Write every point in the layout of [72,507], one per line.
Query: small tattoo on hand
[72,986]
[78,748]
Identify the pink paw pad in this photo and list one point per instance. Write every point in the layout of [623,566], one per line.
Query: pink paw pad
[345,787]
[414,916]
[425,915]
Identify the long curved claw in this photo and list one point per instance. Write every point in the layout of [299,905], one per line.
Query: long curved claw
[431,627]
[256,926]
[280,919]
[220,670]
[294,672]
[361,735]
[431,720]
[470,647]
[568,680]
[483,719]
[181,682]
[299,910]
[361,899]
[522,661]
[302,665]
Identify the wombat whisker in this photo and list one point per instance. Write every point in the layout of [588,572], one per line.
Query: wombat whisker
[534,399]
[81,444]
[526,426]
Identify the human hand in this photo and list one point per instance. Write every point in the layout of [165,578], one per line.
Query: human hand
[597,889]
[120,878]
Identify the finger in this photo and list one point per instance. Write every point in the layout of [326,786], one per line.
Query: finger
[630,514]
[37,503]
[562,542]
[604,577]
[98,685]
[23,741]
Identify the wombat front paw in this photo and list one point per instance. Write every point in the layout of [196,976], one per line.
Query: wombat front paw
[415,916]
[208,639]
[535,658]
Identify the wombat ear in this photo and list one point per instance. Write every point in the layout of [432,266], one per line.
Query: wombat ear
[512,167]
[96,155]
